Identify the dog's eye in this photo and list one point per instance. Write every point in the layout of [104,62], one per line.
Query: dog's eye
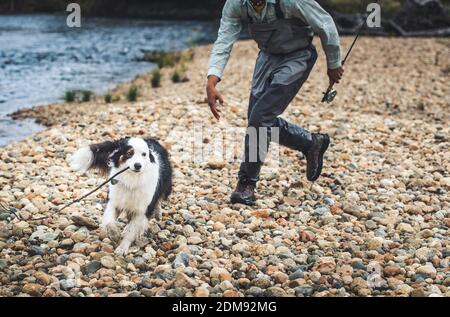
[130,153]
[144,154]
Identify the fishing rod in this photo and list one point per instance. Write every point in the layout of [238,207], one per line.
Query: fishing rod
[331,93]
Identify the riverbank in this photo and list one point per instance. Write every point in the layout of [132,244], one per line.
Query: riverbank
[381,206]
[41,59]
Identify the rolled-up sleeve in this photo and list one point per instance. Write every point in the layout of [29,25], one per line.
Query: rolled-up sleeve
[323,25]
[229,31]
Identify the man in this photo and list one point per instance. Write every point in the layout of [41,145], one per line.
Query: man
[283,30]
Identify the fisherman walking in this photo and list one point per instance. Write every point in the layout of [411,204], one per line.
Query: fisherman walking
[283,30]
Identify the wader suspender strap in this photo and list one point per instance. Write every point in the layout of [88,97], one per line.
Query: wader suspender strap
[278,10]
[279,13]
[249,18]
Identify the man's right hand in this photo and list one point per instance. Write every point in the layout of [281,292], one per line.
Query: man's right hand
[214,96]
[335,75]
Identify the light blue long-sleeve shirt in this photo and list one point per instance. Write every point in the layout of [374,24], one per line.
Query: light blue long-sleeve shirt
[307,10]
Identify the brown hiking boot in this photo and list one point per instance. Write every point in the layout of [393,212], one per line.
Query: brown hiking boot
[243,194]
[314,156]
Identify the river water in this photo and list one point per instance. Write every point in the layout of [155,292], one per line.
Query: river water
[41,58]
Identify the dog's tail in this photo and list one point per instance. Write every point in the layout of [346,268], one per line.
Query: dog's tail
[94,156]
[82,160]
[97,156]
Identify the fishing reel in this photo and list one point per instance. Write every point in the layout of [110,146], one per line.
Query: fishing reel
[329,95]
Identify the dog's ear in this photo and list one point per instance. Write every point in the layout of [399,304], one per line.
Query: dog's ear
[103,154]
[152,158]
[151,146]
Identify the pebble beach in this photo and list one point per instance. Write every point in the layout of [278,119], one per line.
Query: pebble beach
[375,224]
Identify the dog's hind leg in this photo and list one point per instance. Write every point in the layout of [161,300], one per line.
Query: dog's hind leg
[158,211]
[134,230]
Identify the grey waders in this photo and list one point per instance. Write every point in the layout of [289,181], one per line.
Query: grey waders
[284,63]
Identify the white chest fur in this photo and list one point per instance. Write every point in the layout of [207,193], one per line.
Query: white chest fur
[134,191]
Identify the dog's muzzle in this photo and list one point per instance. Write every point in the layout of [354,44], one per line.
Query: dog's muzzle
[137,167]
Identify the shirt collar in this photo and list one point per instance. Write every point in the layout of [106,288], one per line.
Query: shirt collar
[268,1]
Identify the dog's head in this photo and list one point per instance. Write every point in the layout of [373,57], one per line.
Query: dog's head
[133,153]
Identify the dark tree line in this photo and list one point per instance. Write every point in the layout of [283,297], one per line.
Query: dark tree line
[193,9]
[400,17]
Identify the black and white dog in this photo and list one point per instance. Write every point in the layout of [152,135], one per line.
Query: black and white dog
[138,192]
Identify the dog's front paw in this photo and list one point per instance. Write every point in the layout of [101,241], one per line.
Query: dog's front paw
[113,233]
[122,249]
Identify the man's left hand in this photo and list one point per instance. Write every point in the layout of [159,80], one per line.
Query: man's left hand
[335,75]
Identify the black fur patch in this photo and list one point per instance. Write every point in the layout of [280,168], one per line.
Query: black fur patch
[108,153]
[164,187]
[119,156]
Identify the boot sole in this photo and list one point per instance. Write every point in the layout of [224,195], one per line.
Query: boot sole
[323,149]
[239,200]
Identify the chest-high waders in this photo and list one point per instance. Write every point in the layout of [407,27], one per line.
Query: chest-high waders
[285,61]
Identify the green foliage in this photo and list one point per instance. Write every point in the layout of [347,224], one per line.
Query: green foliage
[86,95]
[132,94]
[156,79]
[179,75]
[176,77]
[168,59]
[69,96]
[162,59]
[78,95]
[108,98]
[111,98]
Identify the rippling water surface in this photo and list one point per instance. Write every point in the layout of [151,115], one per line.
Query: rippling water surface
[41,58]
